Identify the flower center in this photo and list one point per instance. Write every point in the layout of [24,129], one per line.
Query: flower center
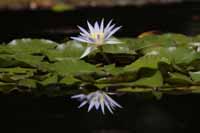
[98,37]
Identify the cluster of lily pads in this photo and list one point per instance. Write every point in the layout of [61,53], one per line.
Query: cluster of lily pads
[157,64]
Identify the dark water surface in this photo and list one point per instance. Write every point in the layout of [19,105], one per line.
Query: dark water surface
[172,114]
[31,114]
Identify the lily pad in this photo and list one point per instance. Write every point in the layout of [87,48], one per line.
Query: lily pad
[150,61]
[154,81]
[31,45]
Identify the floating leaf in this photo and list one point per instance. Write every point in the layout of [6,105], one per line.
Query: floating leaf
[28,59]
[69,80]
[7,60]
[68,67]
[195,76]
[135,90]
[51,79]
[67,51]
[154,81]
[178,78]
[118,49]
[150,61]
[6,87]
[179,55]
[31,45]
[113,70]
[17,70]
[30,83]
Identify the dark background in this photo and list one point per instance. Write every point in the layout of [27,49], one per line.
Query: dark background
[171,114]
[180,18]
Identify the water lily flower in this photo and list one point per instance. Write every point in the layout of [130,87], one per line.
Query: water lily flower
[97,99]
[97,36]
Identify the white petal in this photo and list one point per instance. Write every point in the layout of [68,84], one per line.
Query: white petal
[90,27]
[107,31]
[108,106]
[80,39]
[97,104]
[113,32]
[102,25]
[83,35]
[90,96]
[82,104]
[112,101]
[88,51]
[96,27]
[90,106]
[102,107]
[108,25]
[78,96]
[84,31]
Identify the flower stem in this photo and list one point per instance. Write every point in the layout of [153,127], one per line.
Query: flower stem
[104,55]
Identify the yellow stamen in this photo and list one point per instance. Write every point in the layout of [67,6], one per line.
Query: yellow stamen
[98,37]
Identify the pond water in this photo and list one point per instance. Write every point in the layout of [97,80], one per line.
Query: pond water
[172,114]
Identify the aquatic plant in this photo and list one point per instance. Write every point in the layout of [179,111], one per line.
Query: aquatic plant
[155,64]
[97,36]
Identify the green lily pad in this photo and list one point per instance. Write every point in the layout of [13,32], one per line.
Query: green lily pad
[154,81]
[51,79]
[69,67]
[31,45]
[29,83]
[6,87]
[67,51]
[150,61]
[69,80]
[178,78]
[195,76]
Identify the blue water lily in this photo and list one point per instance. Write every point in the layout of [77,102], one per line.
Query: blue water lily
[97,99]
[97,36]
